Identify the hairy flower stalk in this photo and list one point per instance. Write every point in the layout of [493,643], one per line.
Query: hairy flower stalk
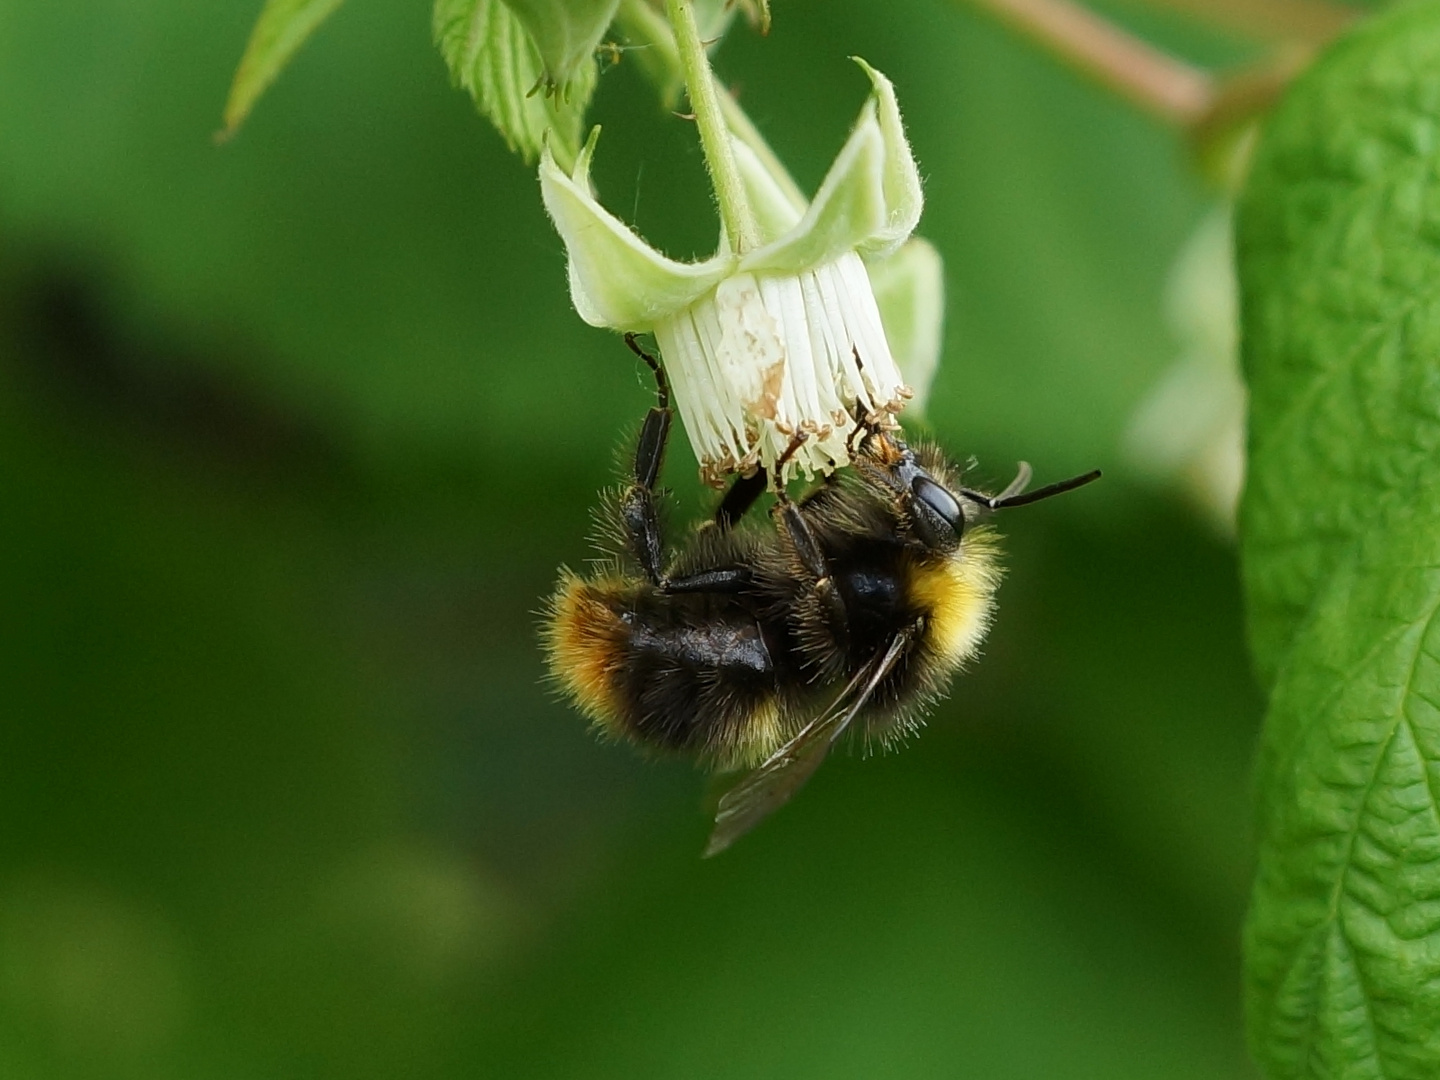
[774,335]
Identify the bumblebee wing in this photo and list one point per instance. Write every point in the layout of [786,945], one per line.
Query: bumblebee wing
[769,786]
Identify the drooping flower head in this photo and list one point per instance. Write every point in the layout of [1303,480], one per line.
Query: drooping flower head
[786,336]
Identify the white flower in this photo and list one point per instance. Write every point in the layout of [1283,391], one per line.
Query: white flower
[783,337]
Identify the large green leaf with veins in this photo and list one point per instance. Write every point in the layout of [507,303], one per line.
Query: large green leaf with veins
[1339,249]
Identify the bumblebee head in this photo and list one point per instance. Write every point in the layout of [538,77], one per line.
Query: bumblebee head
[935,507]
[936,516]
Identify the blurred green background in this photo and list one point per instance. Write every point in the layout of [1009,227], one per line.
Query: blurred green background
[294,433]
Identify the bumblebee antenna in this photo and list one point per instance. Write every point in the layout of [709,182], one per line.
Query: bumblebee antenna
[1016,495]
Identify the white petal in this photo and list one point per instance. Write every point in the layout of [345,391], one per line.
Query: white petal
[752,354]
[867,334]
[712,414]
[785,353]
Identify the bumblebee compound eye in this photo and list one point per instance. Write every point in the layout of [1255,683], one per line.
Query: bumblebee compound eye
[938,518]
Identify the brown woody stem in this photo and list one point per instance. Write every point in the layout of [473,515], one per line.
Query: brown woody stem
[1162,85]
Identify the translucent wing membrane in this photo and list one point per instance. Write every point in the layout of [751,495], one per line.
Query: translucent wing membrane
[769,786]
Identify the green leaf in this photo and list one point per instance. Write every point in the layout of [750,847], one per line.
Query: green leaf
[493,58]
[1337,245]
[1343,941]
[282,28]
[1339,255]
[566,32]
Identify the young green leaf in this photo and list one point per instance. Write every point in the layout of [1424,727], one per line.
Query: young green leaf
[566,32]
[491,56]
[1339,253]
[281,29]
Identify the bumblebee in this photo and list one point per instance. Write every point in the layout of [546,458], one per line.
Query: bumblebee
[759,648]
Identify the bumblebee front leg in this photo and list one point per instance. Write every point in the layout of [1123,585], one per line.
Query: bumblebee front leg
[741,496]
[638,512]
[806,547]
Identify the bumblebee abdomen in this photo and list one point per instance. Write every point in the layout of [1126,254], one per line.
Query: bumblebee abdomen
[687,674]
[706,689]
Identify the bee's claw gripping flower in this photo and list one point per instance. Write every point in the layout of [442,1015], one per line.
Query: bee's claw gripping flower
[781,338]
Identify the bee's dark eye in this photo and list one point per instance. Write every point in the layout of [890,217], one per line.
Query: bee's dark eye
[945,505]
[938,518]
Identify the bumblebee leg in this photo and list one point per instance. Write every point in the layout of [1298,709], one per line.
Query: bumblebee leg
[638,512]
[867,424]
[732,579]
[741,496]
[806,547]
[662,386]
[744,490]
[812,559]
[858,434]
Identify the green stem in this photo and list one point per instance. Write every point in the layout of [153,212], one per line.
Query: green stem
[735,213]
[645,27]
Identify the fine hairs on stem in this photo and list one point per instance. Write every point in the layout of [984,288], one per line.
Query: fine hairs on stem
[735,211]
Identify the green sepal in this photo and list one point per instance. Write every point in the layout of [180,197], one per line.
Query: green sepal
[900,176]
[847,210]
[776,213]
[869,201]
[616,278]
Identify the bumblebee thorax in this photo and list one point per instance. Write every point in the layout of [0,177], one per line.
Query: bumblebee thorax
[957,594]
